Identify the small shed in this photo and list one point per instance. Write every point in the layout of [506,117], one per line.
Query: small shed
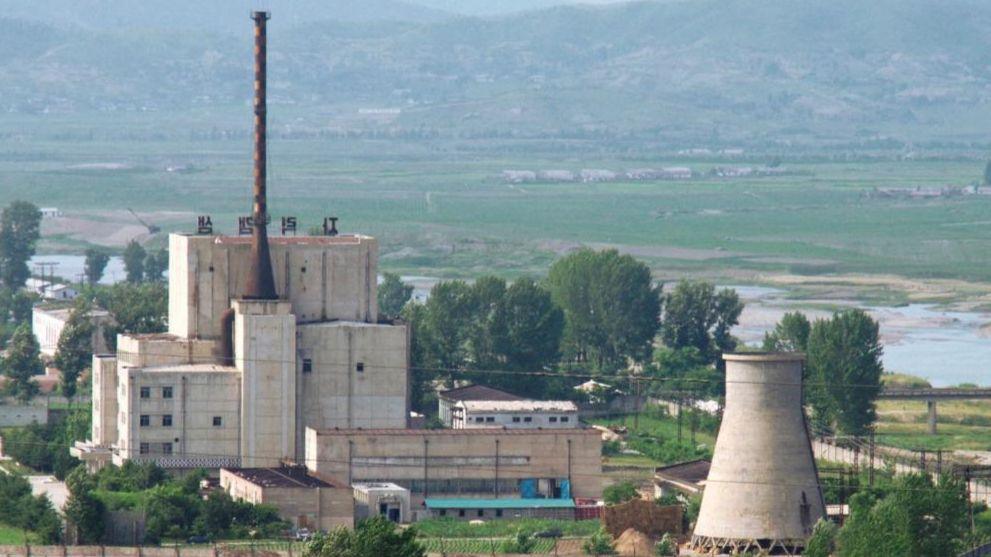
[381,498]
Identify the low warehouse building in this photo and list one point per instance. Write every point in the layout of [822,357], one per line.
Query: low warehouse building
[457,463]
[447,400]
[304,500]
[517,414]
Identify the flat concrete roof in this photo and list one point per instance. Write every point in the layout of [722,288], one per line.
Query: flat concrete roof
[764,357]
[498,406]
[190,368]
[278,477]
[352,239]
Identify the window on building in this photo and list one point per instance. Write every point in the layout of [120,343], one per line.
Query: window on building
[490,419]
[461,512]
[167,420]
[218,421]
[553,419]
[527,419]
[166,392]
[307,365]
[479,420]
[145,420]
[443,512]
[564,419]
[145,392]
[498,513]
[360,367]
[516,419]
[166,448]
[143,448]
[481,513]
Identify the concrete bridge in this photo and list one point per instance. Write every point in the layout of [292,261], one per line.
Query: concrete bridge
[931,395]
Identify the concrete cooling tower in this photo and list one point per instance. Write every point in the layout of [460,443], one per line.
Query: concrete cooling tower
[763,492]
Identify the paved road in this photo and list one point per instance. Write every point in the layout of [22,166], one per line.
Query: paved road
[56,491]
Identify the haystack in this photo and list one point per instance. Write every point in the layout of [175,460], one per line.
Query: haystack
[632,542]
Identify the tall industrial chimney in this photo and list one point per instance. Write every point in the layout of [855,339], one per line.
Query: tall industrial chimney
[762,493]
[261,280]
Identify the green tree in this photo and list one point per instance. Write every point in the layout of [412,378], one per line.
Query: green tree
[422,397]
[620,493]
[915,517]
[844,370]
[667,546]
[393,294]
[373,537]
[447,324]
[599,543]
[136,308]
[522,543]
[22,363]
[170,512]
[22,306]
[695,315]
[521,331]
[95,265]
[611,307]
[19,233]
[75,348]
[822,543]
[134,261]
[487,294]
[83,510]
[791,334]
[155,264]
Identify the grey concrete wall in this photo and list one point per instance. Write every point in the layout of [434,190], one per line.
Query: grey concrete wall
[335,394]
[17,414]
[324,278]
[265,352]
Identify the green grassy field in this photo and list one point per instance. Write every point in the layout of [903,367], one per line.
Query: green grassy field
[451,528]
[961,425]
[10,535]
[441,209]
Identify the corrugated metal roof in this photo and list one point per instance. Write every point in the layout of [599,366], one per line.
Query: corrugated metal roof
[500,503]
[518,405]
[477,392]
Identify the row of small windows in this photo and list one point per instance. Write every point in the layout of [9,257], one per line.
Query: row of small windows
[308,366]
[145,392]
[479,512]
[524,419]
[145,420]
[145,448]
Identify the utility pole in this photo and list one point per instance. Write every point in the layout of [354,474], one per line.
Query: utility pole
[870,473]
[42,266]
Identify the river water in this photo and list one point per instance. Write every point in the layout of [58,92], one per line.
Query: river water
[945,347]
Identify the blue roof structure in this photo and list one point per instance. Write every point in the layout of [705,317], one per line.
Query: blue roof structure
[500,503]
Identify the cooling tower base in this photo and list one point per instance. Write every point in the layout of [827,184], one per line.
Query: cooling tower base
[707,545]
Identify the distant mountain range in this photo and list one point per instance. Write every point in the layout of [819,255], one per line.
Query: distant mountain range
[700,68]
